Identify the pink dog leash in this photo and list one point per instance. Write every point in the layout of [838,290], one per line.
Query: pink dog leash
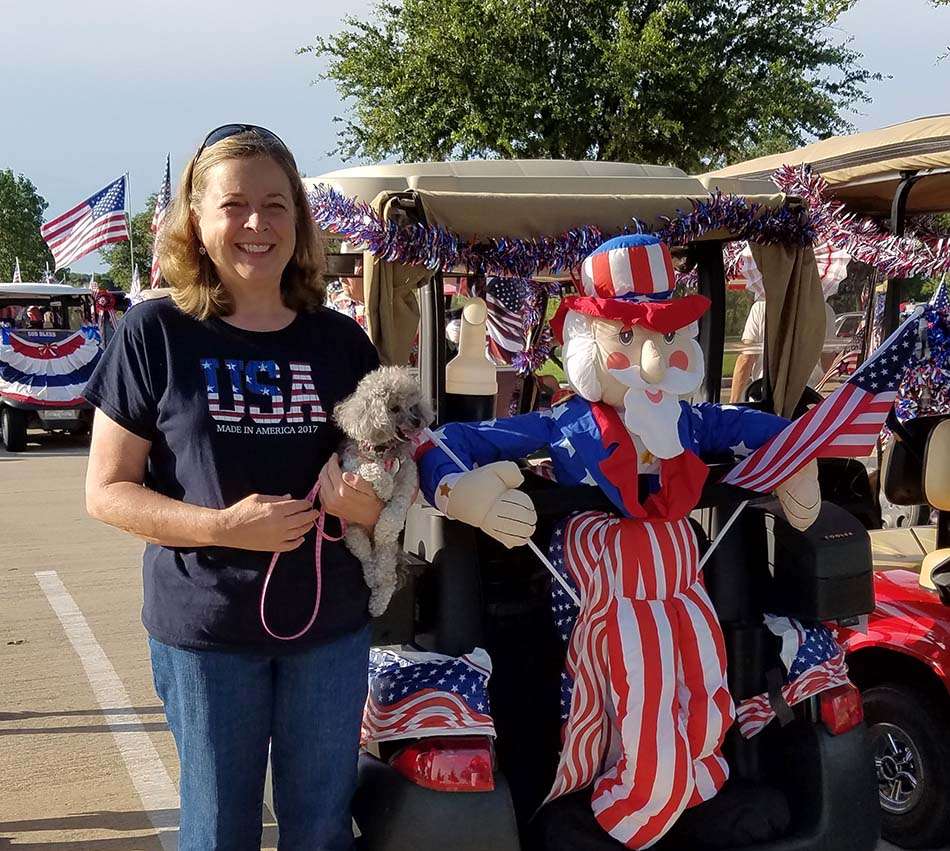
[318,548]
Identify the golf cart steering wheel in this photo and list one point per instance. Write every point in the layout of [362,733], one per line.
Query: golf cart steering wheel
[755,392]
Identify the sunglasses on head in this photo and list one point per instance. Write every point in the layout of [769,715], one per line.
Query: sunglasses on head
[225,131]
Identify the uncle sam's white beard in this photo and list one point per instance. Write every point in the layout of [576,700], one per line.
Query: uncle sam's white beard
[655,420]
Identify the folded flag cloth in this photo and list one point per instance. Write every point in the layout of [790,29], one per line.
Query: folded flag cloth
[815,662]
[414,695]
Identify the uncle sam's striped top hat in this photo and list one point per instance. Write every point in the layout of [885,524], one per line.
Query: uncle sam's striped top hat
[630,279]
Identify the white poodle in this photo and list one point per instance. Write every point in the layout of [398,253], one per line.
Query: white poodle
[381,419]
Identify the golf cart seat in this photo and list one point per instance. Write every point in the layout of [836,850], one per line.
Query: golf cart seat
[917,470]
[902,549]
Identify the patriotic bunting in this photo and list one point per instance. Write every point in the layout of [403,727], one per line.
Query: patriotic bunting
[47,367]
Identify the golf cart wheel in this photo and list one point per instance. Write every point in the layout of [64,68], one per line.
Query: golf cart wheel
[909,740]
[13,428]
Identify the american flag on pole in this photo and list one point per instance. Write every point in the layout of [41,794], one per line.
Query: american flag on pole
[161,206]
[845,425]
[818,665]
[87,227]
[505,298]
[416,695]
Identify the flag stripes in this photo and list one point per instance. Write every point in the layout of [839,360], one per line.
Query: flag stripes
[161,207]
[845,425]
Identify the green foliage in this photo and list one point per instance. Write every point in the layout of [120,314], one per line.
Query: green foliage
[21,214]
[118,257]
[695,83]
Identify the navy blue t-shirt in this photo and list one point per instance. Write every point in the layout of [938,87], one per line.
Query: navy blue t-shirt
[229,413]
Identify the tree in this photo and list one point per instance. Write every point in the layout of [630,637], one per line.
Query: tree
[118,256]
[695,83]
[21,214]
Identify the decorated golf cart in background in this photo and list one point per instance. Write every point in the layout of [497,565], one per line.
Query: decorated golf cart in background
[887,185]
[528,225]
[51,338]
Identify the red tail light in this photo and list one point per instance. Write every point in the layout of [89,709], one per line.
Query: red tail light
[449,764]
[841,709]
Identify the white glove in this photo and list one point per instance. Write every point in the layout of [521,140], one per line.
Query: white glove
[487,499]
[800,497]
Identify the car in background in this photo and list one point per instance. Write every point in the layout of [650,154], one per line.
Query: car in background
[49,347]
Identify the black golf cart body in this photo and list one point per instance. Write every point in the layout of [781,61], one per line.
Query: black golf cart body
[69,314]
[472,592]
[902,663]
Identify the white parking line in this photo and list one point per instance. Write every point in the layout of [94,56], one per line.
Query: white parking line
[151,781]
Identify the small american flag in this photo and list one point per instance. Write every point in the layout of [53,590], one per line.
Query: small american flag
[505,299]
[941,298]
[161,206]
[415,695]
[819,665]
[17,277]
[846,425]
[87,227]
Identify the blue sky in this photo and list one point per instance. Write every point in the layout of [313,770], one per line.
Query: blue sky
[94,89]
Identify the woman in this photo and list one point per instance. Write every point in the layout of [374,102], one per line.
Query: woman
[213,423]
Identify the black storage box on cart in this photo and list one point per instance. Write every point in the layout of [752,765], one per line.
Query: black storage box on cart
[821,574]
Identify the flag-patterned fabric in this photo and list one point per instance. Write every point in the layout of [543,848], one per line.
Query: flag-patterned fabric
[817,664]
[505,299]
[48,368]
[161,206]
[99,220]
[845,425]
[17,277]
[416,695]
[941,297]
[628,270]
[644,692]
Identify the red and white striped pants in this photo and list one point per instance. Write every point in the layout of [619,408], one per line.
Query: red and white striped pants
[650,705]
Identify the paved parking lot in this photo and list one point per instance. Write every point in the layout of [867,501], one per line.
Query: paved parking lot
[86,761]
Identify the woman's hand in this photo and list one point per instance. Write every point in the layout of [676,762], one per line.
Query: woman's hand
[347,496]
[269,523]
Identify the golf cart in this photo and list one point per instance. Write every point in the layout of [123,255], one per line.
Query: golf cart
[471,592]
[902,661]
[48,349]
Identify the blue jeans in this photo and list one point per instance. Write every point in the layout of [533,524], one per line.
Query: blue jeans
[223,710]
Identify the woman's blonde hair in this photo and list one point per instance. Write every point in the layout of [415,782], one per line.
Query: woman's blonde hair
[191,275]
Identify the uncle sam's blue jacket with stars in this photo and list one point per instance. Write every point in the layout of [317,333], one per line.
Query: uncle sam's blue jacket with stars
[589,445]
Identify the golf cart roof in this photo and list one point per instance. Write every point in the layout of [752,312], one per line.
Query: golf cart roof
[864,169]
[531,198]
[28,289]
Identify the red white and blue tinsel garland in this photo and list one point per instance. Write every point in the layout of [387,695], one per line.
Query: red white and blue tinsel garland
[925,253]
[436,247]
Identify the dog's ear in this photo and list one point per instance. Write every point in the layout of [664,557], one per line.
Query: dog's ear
[350,413]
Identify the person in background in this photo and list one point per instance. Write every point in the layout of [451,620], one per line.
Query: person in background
[749,363]
[214,419]
[345,294]
[33,317]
